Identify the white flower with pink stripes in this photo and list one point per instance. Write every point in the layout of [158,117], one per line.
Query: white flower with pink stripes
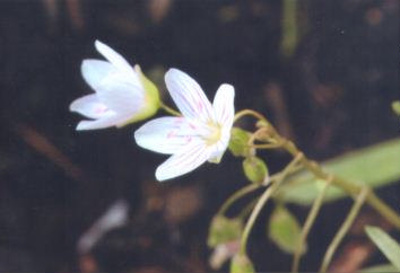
[122,93]
[201,134]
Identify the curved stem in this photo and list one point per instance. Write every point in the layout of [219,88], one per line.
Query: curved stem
[264,198]
[248,112]
[265,146]
[374,201]
[238,194]
[343,229]
[247,209]
[307,226]
[169,110]
[260,204]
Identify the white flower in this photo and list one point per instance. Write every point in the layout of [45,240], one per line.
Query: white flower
[122,93]
[201,134]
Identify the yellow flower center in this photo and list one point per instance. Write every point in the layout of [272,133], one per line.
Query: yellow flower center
[215,133]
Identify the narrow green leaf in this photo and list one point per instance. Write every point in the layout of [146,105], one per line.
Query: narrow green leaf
[284,230]
[379,268]
[375,166]
[389,247]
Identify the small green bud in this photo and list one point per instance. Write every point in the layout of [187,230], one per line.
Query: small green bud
[255,169]
[238,143]
[241,264]
[396,107]
[223,230]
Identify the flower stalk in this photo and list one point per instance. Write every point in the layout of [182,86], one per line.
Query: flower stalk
[371,199]
[312,216]
[264,198]
[344,228]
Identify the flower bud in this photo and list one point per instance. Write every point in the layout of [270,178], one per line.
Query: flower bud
[238,144]
[255,169]
[223,230]
[241,264]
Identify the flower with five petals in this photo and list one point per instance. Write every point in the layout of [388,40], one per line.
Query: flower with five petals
[122,93]
[201,134]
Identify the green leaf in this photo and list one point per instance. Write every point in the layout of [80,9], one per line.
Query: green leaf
[224,230]
[255,169]
[375,166]
[389,247]
[379,268]
[241,264]
[284,230]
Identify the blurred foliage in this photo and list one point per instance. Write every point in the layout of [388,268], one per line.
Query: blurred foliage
[387,245]
[379,268]
[241,264]
[224,230]
[396,107]
[375,166]
[284,230]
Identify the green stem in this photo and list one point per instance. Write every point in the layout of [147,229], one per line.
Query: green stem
[374,201]
[260,204]
[238,194]
[343,229]
[247,209]
[248,112]
[307,226]
[169,110]
[265,146]
[264,198]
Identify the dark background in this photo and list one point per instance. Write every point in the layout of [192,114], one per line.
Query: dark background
[332,95]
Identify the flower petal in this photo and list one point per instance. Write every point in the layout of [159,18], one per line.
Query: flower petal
[167,135]
[89,106]
[183,162]
[122,94]
[188,95]
[105,122]
[95,71]
[217,151]
[223,105]
[113,57]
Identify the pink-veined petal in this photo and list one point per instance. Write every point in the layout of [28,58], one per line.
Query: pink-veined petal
[188,95]
[183,162]
[89,106]
[113,57]
[95,71]
[101,123]
[217,151]
[121,94]
[167,135]
[223,105]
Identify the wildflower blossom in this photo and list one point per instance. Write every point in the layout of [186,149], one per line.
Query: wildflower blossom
[122,93]
[201,134]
